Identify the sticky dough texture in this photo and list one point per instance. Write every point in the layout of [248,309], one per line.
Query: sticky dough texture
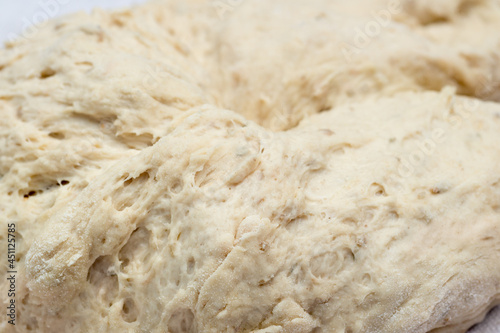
[341,194]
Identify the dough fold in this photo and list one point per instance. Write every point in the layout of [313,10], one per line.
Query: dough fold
[267,167]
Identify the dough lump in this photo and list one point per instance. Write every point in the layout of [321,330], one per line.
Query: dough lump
[254,166]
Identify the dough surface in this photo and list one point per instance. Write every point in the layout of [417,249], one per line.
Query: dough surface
[254,166]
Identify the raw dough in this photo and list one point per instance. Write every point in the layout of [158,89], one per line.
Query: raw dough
[354,188]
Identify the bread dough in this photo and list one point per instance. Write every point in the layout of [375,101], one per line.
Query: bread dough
[354,187]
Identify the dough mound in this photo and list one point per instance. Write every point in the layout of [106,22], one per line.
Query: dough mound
[254,166]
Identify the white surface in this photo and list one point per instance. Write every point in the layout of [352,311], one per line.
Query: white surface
[15,16]
[490,325]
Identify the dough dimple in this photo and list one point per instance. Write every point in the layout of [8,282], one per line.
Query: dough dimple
[170,169]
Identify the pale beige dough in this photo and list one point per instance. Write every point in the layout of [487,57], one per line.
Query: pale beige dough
[354,187]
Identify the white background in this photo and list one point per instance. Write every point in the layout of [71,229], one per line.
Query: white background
[15,15]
